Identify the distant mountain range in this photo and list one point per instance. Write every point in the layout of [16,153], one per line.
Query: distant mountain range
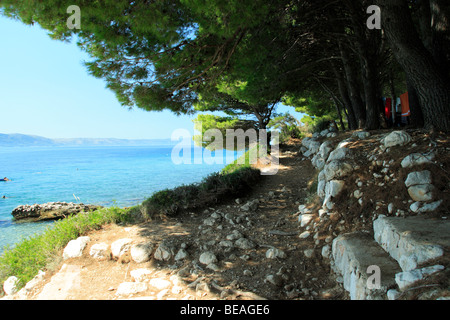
[23,140]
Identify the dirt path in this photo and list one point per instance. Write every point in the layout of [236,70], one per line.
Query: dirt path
[244,271]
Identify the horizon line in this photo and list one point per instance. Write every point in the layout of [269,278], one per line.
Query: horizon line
[74,138]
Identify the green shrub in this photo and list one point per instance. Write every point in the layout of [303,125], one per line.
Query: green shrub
[288,127]
[292,132]
[211,190]
[321,124]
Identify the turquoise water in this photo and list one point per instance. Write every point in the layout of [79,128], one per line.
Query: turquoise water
[122,176]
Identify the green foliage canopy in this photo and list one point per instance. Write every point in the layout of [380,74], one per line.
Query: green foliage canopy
[244,56]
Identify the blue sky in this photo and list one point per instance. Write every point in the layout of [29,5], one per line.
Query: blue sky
[45,90]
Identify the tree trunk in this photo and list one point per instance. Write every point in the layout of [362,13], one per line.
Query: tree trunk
[351,119]
[424,26]
[263,135]
[339,112]
[336,101]
[353,90]
[440,33]
[434,28]
[337,104]
[367,43]
[371,92]
[414,105]
[432,85]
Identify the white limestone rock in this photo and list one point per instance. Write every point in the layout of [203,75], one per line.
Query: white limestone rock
[333,188]
[305,219]
[396,138]
[140,275]
[181,254]
[321,184]
[416,159]
[234,235]
[128,288]
[393,294]
[99,251]
[35,281]
[312,146]
[407,278]
[357,194]
[419,186]
[336,169]
[274,253]
[339,154]
[325,149]
[209,221]
[74,248]
[141,252]
[120,247]
[207,258]
[10,285]
[244,243]
[408,243]
[303,209]
[361,134]
[164,252]
[160,283]
[429,207]
[318,162]
[304,235]
[421,192]
[251,205]
[418,177]
[417,206]
[326,251]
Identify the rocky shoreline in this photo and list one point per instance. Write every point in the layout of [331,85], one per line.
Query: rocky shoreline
[50,211]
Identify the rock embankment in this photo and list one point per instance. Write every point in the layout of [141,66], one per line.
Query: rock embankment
[51,210]
[400,189]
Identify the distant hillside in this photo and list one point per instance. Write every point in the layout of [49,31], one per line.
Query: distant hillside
[23,140]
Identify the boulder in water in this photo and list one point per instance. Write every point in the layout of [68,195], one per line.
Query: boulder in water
[51,210]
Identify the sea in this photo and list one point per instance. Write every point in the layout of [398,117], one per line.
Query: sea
[103,175]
